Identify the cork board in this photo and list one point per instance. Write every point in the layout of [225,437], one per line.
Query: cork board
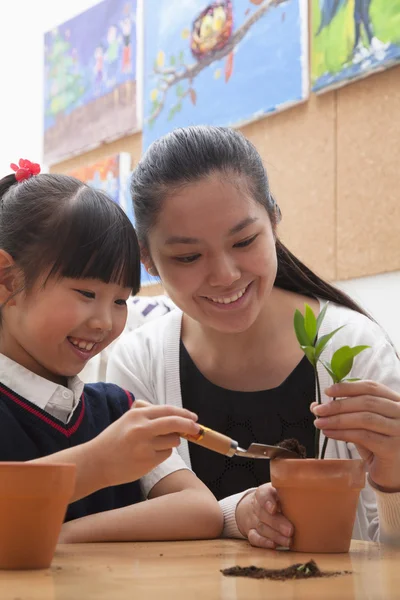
[333,164]
[368,176]
[298,150]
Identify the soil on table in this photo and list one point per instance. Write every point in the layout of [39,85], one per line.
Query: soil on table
[306,570]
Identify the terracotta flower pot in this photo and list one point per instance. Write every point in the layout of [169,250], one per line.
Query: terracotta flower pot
[33,503]
[320,499]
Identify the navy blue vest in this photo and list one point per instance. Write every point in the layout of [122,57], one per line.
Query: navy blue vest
[28,432]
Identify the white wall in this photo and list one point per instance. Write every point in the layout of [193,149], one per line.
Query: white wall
[380,296]
[22,26]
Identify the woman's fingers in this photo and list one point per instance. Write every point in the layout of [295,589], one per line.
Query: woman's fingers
[367,421]
[259,541]
[370,404]
[362,388]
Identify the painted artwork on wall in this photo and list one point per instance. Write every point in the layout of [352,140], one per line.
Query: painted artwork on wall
[90,80]
[112,175]
[352,39]
[225,62]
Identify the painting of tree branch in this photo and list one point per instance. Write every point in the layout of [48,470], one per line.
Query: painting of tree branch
[221,62]
[352,39]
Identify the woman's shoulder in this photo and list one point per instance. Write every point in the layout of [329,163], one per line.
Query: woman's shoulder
[356,328]
[153,334]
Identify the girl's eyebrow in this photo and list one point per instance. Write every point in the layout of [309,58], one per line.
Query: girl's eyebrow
[177,239]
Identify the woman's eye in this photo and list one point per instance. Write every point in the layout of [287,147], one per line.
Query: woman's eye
[246,242]
[86,293]
[187,259]
[121,302]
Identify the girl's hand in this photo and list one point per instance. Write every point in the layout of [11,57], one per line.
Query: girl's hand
[139,441]
[367,414]
[259,518]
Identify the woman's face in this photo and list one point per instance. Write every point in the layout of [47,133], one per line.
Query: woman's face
[214,249]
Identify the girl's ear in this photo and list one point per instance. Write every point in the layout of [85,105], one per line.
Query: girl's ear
[10,278]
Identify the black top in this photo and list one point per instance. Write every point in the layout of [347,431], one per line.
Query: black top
[28,432]
[265,417]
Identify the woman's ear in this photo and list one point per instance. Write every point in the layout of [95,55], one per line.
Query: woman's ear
[10,278]
[147,262]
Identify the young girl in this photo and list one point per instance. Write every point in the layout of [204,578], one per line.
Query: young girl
[207,223]
[69,260]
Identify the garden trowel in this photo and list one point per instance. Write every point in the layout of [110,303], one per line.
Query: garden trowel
[225,445]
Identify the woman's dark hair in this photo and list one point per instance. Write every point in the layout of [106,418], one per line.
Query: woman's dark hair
[59,226]
[189,154]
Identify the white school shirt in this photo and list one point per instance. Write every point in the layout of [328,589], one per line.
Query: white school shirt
[61,402]
[56,399]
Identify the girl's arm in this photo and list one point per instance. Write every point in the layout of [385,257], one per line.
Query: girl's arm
[180,508]
[126,450]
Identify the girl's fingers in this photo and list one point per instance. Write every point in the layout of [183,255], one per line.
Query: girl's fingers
[172,424]
[164,442]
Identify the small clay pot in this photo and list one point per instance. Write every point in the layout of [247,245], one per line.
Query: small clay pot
[319,497]
[33,502]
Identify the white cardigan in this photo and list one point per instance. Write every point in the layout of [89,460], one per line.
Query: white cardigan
[146,362]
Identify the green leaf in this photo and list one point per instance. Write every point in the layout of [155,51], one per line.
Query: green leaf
[322,342]
[309,351]
[343,358]
[178,107]
[300,330]
[179,90]
[321,316]
[342,362]
[310,323]
[172,61]
[171,114]
[352,379]
[181,56]
[331,373]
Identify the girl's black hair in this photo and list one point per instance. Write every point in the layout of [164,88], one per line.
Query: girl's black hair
[189,154]
[59,226]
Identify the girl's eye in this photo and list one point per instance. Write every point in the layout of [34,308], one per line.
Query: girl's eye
[187,259]
[86,293]
[121,302]
[245,243]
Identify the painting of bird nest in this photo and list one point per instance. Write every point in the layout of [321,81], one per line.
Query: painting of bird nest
[226,62]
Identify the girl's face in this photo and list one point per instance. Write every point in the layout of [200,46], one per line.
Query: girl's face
[54,330]
[214,249]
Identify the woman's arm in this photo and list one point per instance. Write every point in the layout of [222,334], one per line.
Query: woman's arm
[180,508]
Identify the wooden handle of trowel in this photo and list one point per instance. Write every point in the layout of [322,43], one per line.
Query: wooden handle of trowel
[213,441]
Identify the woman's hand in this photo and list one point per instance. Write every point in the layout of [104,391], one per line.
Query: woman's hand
[259,518]
[367,414]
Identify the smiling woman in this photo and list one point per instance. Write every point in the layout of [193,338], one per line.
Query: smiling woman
[208,225]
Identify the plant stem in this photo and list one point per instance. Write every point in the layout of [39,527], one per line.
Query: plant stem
[317,431]
[324,445]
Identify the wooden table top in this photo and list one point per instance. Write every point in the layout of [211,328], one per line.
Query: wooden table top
[191,571]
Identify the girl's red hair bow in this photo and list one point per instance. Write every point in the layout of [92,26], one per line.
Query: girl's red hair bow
[25,169]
